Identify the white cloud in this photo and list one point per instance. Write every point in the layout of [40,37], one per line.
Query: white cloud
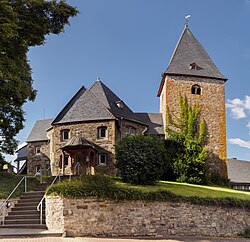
[239,108]
[240,142]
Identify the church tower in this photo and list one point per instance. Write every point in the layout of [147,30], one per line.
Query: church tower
[192,73]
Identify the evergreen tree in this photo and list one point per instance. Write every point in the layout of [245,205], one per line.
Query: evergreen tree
[189,130]
[23,24]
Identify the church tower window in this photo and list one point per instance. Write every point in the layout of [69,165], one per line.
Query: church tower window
[196,89]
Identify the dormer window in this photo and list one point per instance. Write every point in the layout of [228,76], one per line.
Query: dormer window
[119,104]
[102,132]
[194,66]
[196,89]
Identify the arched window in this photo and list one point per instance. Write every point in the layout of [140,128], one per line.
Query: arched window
[196,89]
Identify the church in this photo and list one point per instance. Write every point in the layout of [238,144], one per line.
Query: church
[81,139]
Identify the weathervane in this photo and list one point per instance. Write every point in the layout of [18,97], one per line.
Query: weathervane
[187,20]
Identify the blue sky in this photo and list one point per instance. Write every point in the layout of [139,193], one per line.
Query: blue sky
[128,44]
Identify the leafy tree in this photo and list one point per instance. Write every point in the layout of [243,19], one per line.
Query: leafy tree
[140,159]
[23,24]
[189,130]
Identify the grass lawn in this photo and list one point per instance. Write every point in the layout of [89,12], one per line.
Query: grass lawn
[189,190]
[9,181]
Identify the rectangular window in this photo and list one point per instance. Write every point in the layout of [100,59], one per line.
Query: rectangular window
[65,134]
[102,132]
[38,150]
[103,159]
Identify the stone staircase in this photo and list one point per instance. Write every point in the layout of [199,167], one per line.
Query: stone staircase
[24,219]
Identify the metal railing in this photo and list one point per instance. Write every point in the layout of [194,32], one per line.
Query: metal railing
[40,204]
[4,204]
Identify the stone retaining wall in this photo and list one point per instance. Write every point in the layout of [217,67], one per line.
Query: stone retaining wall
[95,217]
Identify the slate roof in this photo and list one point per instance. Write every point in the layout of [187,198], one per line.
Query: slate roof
[189,52]
[110,100]
[238,171]
[84,106]
[154,122]
[39,131]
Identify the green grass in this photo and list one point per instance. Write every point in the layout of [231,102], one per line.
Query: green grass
[113,188]
[9,181]
[190,190]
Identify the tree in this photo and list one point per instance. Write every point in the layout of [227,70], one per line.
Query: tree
[189,130]
[140,159]
[23,24]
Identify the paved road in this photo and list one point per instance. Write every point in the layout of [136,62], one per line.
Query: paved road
[59,239]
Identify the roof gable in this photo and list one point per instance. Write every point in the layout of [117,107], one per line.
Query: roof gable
[84,106]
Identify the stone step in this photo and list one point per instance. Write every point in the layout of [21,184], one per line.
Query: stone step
[23,208]
[24,232]
[24,226]
[23,216]
[28,200]
[26,204]
[25,212]
[23,221]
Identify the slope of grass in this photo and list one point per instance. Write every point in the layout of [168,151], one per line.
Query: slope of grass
[113,188]
[9,181]
[191,190]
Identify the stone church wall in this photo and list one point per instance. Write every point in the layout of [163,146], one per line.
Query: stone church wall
[212,104]
[110,218]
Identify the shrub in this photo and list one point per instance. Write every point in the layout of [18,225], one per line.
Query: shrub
[141,159]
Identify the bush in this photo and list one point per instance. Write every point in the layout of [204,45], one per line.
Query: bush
[141,159]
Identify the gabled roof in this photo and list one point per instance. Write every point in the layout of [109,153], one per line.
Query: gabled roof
[112,102]
[191,59]
[39,131]
[238,171]
[84,106]
[154,122]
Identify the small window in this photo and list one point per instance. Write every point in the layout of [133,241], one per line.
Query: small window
[103,159]
[196,89]
[38,150]
[194,66]
[130,130]
[102,132]
[65,134]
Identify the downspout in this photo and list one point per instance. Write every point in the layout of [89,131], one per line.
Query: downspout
[144,131]
[121,128]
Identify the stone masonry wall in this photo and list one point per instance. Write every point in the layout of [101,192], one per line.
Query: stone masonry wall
[95,217]
[37,159]
[212,104]
[89,131]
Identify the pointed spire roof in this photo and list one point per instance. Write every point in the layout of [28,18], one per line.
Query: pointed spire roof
[84,106]
[190,59]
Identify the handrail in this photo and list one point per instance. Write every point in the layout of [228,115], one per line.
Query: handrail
[25,190]
[40,204]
